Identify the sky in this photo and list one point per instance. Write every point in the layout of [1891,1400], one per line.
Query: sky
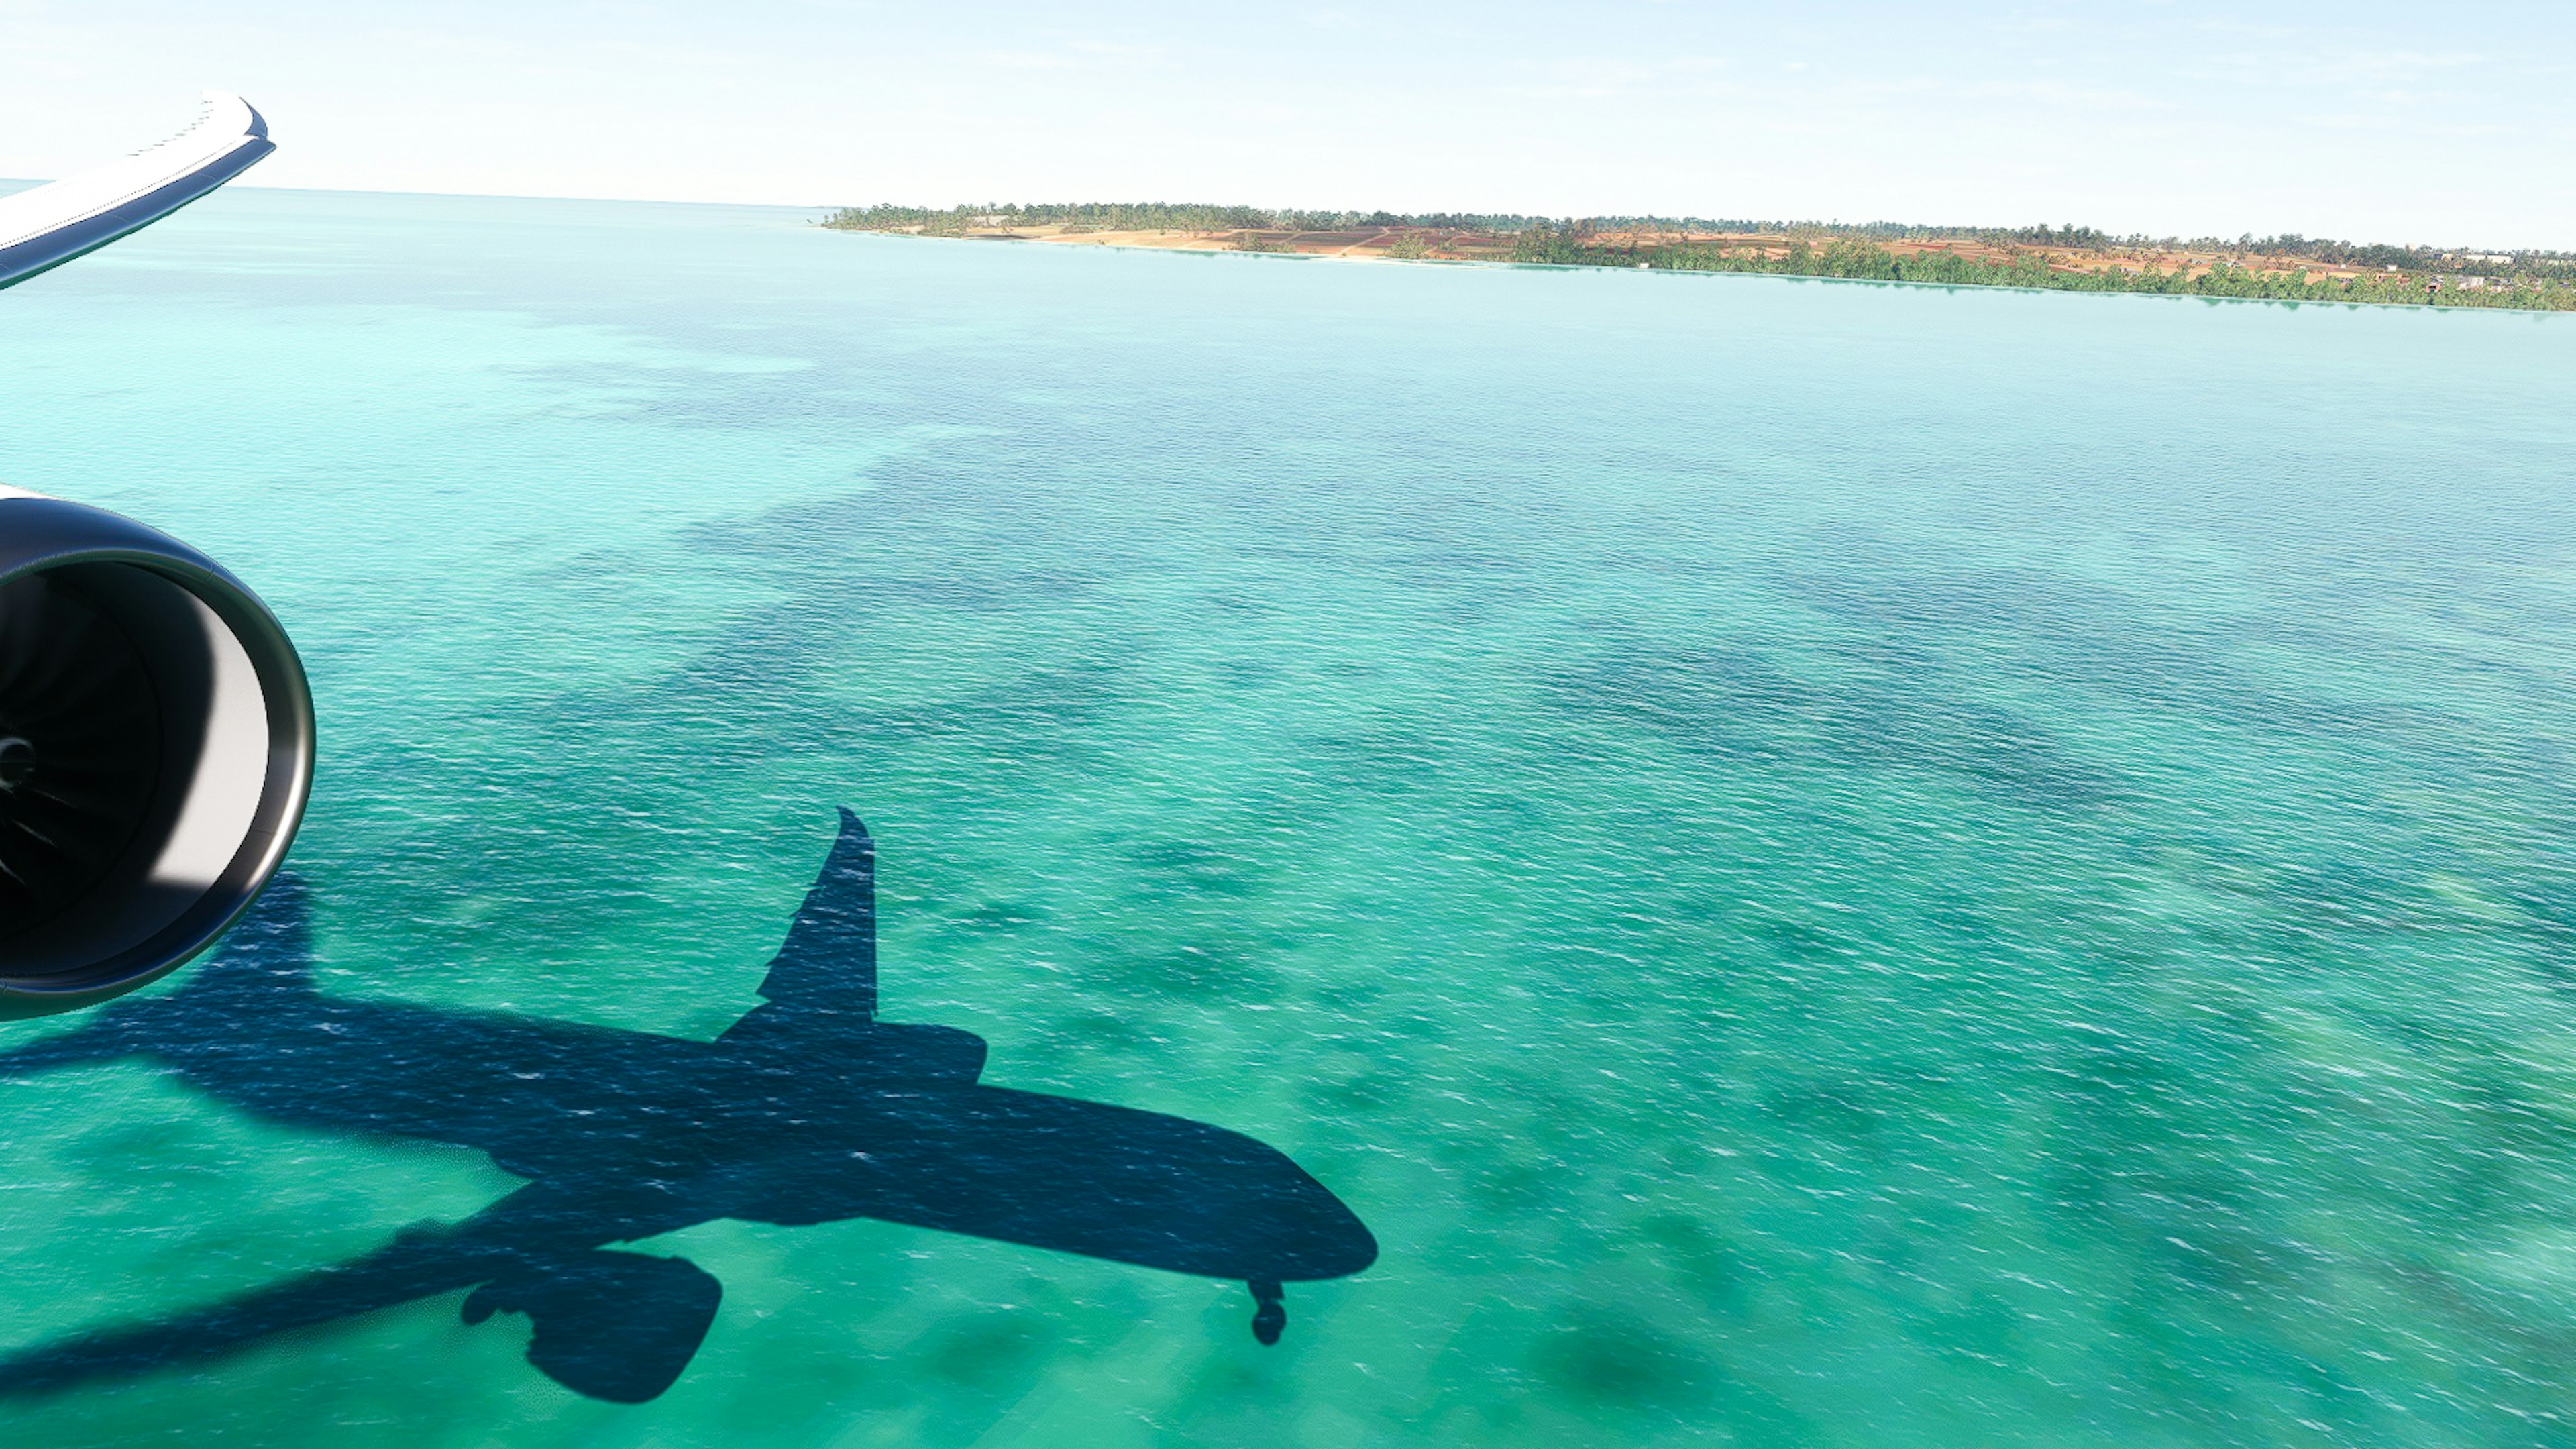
[2416,123]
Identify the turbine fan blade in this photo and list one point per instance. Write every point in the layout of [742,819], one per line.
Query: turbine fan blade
[80,748]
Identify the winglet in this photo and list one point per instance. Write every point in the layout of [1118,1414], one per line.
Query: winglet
[828,963]
[46,226]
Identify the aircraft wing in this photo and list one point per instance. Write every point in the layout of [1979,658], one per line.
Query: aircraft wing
[46,226]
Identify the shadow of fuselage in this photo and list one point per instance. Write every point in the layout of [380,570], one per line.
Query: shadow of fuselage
[808,1110]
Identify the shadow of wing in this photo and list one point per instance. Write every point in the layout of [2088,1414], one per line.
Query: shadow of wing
[612,1325]
[415,1266]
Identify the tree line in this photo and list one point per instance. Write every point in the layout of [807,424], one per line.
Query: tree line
[1151,216]
[1200,216]
[2531,278]
[1569,244]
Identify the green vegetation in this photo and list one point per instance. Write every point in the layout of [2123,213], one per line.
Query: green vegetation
[2268,267]
[1145,216]
[1572,244]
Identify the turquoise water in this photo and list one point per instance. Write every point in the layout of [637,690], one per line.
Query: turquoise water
[1824,864]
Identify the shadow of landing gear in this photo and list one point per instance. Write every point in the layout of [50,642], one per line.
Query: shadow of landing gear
[1270,1311]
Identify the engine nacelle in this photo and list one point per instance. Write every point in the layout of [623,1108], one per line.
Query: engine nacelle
[156,749]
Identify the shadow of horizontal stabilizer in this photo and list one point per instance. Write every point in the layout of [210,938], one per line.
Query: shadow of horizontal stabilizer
[809,1110]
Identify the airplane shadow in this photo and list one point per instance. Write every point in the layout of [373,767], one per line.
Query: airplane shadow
[807,1110]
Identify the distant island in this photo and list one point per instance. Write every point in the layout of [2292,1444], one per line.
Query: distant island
[2069,259]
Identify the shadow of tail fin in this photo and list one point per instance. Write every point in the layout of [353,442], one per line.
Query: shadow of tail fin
[822,984]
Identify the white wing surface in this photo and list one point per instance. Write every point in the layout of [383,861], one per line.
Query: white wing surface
[49,225]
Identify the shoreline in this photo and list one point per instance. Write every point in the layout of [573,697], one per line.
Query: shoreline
[1195,244]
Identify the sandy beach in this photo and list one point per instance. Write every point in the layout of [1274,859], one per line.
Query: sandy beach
[1410,243]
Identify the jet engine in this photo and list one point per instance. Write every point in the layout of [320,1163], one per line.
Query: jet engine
[156,748]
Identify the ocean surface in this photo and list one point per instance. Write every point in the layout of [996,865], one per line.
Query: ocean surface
[1823,864]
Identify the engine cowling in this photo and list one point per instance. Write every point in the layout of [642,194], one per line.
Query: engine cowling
[156,750]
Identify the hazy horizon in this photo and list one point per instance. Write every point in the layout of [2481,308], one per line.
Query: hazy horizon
[10,183]
[2371,122]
